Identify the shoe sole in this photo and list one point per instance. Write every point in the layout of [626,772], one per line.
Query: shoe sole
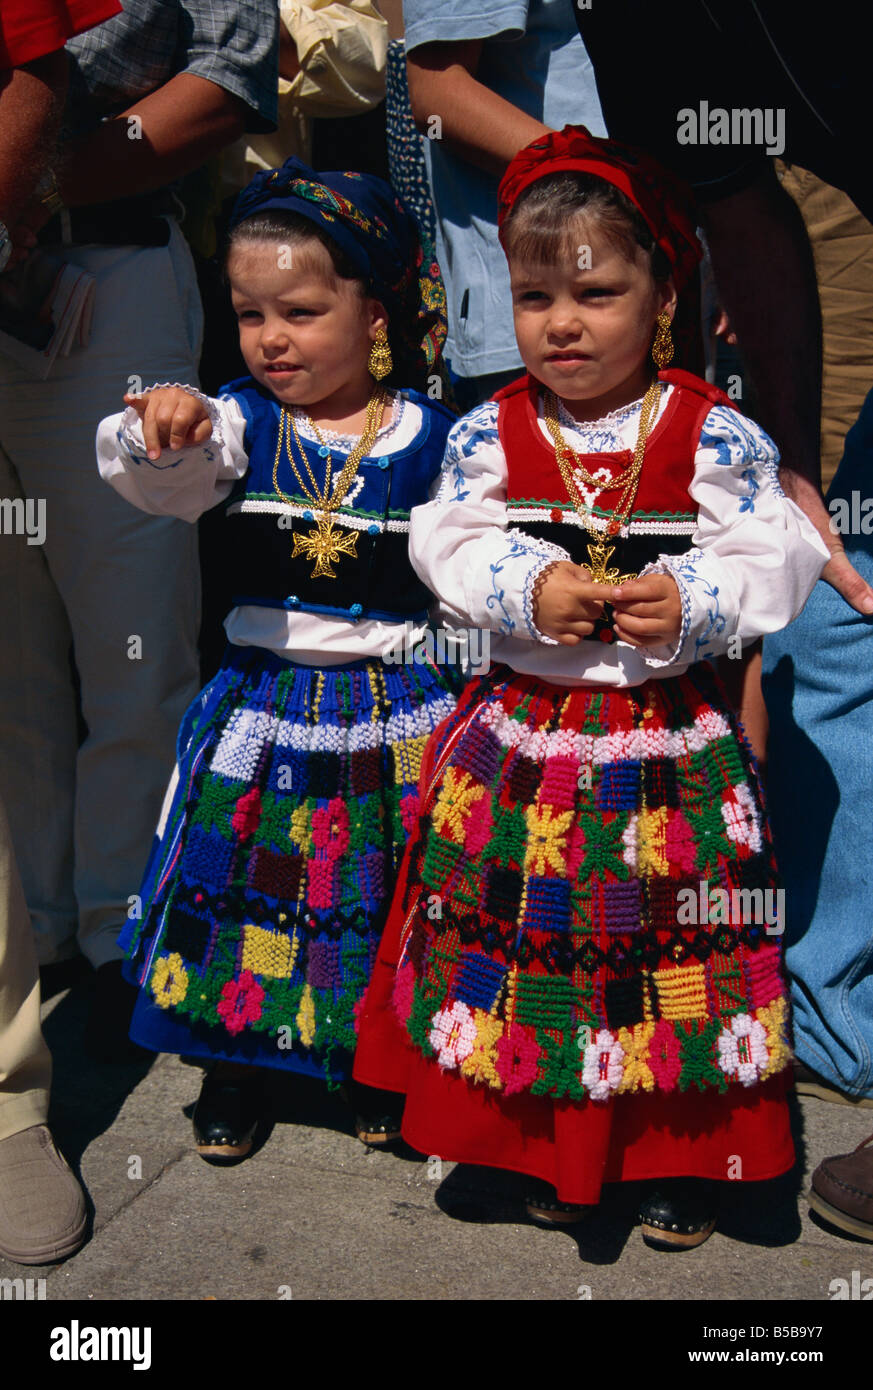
[378,1140]
[852,1224]
[658,1239]
[225,1153]
[544,1216]
[821,1091]
[47,1254]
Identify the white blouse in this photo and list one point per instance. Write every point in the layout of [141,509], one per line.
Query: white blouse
[752,562]
[187,482]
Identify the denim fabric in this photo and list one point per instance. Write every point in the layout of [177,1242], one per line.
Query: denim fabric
[818,686]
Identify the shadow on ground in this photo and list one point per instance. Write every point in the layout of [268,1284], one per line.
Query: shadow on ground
[86,1095]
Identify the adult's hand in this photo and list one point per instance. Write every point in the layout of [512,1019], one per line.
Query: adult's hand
[839,572]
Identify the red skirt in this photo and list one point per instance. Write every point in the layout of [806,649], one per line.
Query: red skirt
[575,1146]
[740,1131]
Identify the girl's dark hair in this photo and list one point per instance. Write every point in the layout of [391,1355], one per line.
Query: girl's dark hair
[540,227]
[290,227]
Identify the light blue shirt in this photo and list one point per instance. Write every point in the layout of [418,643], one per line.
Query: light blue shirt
[533,57]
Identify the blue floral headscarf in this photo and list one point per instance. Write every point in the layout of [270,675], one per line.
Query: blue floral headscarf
[381,239]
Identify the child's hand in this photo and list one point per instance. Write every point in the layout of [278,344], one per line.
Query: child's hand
[567,604]
[171,418]
[648,611]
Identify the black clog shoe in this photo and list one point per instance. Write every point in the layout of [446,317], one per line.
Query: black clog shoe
[378,1114]
[227,1114]
[679,1214]
[543,1208]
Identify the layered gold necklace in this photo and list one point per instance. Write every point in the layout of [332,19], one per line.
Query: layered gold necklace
[570,465]
[326,543]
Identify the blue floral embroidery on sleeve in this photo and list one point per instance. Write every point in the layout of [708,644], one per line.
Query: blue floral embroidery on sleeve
[496,597]
[747,503]
[735,441]
[684,569]
[127,445]
[468,435]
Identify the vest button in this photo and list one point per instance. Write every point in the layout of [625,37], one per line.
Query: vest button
[356,610]
[372,529]
[323,451]
[291,602]
[384,463]
[307,515]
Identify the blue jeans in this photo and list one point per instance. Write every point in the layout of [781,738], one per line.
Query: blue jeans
[818,686]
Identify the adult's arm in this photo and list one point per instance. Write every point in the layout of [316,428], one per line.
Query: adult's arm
[475,122]
[226,82]
[182,123]
[772,300]
[31,102]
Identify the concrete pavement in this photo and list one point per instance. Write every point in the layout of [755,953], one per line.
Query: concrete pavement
[313,1215]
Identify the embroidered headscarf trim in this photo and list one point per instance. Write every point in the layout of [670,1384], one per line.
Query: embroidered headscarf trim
[381,239]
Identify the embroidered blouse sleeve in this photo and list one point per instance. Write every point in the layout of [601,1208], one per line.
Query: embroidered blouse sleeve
[460,542]
[182,483]
[755,557]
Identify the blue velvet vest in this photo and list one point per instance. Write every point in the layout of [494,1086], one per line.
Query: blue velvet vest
[377,581]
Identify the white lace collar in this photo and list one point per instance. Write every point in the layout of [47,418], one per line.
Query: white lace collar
[613,418]
[344,443]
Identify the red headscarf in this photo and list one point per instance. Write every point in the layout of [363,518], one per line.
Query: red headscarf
[665,203]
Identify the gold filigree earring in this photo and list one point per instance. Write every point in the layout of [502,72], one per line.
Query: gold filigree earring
[380,361]
[662,347]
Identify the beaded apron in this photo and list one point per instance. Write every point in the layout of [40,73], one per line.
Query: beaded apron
[554,939]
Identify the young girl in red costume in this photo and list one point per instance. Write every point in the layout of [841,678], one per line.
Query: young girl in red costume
[580,978]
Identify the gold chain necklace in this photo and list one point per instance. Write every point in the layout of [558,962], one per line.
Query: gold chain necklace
[326,543]
[599,550]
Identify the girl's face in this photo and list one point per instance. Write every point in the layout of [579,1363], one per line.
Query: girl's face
[586,333]
[305,332]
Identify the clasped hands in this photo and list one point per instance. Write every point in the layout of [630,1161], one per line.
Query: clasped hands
[648,611]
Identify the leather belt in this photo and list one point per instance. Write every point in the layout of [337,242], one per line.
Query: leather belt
[127,222]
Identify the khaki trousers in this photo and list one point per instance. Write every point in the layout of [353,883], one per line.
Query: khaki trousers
[842,244]
[118,586]
[25,1061]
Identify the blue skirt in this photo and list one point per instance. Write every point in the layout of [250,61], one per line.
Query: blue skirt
[272,869]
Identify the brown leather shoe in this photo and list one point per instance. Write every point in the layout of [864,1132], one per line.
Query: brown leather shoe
[42,1208]
[842,1190]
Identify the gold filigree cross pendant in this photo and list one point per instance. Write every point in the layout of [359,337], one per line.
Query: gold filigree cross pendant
[598,554]
[326,545]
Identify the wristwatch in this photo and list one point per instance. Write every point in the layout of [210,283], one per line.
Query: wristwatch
[49,194]
[5,246]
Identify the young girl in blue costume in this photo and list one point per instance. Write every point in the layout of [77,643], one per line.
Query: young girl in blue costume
[577,980]
[297,770]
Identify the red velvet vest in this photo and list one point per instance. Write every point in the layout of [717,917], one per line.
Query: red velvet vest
[664,516]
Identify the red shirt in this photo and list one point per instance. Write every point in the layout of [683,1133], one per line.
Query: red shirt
[30,29]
